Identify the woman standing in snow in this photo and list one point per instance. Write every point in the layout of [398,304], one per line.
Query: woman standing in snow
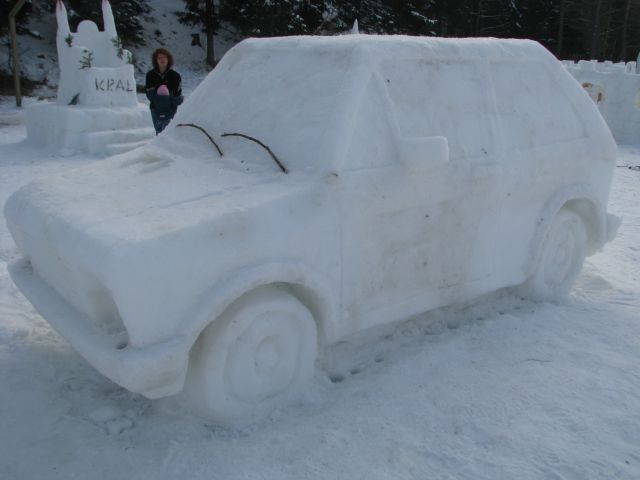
[163,88]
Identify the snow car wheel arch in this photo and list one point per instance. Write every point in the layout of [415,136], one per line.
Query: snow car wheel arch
[314,290]
[247,361]
[580,199]
[563,252]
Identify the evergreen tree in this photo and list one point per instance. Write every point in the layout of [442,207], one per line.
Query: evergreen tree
[570,28]
[452,18]
[495,18]
[21,18]
[202,13]
[413,17]
[262,18]
[374,16]
[629,31]
[127,13]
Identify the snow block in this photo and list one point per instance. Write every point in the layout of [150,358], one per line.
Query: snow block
[109,87]
[117,141]
[69,130]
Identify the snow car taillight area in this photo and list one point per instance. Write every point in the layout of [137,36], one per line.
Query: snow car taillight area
[326,185]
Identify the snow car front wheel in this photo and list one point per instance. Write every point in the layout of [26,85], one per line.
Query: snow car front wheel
[252,357]
[563,252]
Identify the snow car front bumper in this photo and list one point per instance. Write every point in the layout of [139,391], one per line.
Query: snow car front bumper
[154,371]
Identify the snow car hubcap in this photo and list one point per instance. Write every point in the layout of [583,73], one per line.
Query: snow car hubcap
[262,362]
[563,253]
[560,256]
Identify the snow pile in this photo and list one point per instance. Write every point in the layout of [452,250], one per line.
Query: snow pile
[615,88]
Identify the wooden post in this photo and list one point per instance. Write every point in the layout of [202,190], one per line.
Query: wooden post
[14,50]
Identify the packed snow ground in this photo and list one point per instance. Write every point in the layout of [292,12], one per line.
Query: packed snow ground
[499,389]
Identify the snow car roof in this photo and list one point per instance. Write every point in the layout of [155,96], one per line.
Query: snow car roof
[299,95]
[394,46]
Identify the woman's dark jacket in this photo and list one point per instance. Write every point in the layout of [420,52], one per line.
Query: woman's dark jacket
[168,104]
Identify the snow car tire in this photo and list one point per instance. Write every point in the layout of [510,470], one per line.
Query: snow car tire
[563,253]
[252,357]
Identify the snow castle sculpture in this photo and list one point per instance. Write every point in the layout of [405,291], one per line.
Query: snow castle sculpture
[615,89]
[97,108]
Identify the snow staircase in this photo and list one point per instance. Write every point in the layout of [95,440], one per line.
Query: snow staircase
[116,148]
[112,142]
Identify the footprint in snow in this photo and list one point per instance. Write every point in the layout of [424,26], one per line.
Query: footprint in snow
[111,420]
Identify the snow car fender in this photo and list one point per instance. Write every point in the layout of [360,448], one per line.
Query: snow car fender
[310,287]
[582,200]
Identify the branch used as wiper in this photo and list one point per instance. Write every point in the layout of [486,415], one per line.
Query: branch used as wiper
[203,131]
[275,159]
[235,134]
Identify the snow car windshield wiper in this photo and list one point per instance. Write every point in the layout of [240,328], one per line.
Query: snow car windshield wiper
[236,134]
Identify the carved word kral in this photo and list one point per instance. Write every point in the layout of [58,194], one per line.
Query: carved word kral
[113,85]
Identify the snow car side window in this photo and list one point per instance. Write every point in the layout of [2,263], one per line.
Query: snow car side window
[530,121]
[441,99]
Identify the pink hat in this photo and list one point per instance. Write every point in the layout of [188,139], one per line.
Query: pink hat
[163,90]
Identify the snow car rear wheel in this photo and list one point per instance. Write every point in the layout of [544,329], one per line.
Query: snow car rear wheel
[250,359]
[563,252]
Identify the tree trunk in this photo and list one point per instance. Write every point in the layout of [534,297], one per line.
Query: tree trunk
[476,23]
[209,22]
[560,29]
[595,36]
[625,26]
[607,50]
[14,50]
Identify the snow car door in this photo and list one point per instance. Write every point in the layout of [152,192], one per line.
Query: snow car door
[418,224]
[414,240]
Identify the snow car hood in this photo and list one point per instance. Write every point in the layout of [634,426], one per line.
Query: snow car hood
[97,233]
[143,189]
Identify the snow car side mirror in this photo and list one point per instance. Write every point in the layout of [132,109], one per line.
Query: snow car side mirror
[420,152]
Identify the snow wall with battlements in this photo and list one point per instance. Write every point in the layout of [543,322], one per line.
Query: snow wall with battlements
[615,88]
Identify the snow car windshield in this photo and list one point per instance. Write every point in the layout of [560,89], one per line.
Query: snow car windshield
[290,99]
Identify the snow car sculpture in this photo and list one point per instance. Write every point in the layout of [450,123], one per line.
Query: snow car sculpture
[308,189]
